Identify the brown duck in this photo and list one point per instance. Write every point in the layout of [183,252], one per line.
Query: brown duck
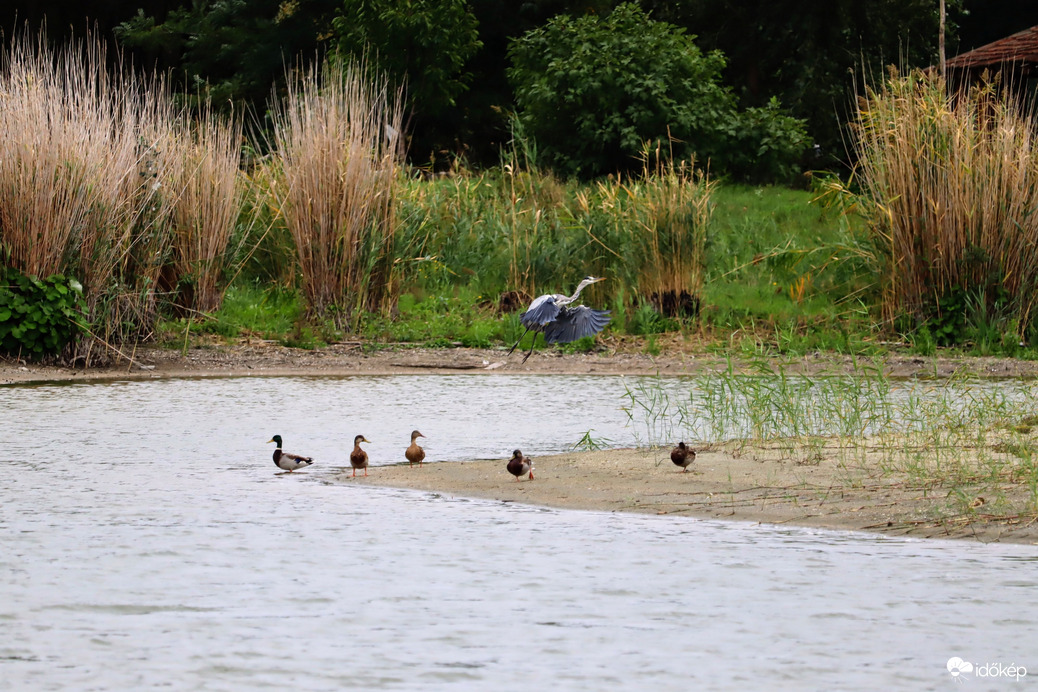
[683,456]
[414,453]
[518,465]
[358,457]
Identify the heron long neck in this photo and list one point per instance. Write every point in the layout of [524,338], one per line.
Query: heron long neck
[580,287]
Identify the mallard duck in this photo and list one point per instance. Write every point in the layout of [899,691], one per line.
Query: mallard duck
[286,461]
[415,453]
[683,456]
[518,465]
[358,457]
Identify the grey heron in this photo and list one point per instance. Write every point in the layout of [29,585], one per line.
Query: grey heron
[288,462]
[683,455]
[518,465]
[553,315]
[358,457]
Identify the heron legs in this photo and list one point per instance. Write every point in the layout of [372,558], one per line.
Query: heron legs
[520,339]
[532,344]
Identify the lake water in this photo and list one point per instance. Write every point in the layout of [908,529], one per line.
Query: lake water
[146,542]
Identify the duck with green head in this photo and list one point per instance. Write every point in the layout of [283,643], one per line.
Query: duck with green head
[288,462]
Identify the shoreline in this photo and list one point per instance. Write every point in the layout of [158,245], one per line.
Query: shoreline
[722,484]
[252,359]
[777,483]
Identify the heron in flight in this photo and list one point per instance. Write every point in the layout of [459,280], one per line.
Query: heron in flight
[560,322]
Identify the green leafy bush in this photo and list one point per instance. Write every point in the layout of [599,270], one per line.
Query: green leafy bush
[38,317]
[592,91]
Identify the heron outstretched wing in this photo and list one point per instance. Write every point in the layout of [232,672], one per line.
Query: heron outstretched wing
[575,322]
[541,311]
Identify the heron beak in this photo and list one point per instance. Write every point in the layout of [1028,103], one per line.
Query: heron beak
[600,278]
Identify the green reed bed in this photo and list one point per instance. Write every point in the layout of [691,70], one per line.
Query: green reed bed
[542,235]
[958,440]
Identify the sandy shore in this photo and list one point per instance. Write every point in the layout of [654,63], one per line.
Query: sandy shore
[617,357]
[727,482]
[724,483]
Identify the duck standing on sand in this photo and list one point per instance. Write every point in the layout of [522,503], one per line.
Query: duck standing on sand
[683,456]
[286,461]
[358,457]
[415,453]
[518,465]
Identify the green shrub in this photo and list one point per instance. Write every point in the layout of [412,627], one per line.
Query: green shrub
[592,91]
[38,317]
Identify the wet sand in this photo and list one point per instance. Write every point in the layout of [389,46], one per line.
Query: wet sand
[765,485]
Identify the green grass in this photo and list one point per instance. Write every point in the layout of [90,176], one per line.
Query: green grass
[785,275]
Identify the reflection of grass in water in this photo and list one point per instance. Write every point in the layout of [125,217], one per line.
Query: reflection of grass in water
[966,443]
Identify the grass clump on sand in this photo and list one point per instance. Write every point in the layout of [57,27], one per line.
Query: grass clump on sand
[968,446]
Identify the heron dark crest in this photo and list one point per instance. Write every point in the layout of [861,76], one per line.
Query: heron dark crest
[553,315]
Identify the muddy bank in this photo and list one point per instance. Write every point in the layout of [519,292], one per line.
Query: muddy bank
[726,482]
[617,358]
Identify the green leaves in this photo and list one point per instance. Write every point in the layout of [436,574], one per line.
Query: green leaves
[592,91]
[38,317]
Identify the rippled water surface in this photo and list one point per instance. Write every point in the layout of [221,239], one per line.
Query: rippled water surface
[146,542]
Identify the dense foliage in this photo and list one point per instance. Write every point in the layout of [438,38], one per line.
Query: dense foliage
[38,317]
[592,91]
[805,54]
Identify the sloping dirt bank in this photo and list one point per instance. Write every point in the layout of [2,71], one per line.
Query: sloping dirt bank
[354,359]
[760,485]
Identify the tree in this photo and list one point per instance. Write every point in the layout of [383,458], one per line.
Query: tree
[591,92]
[422,44]
[811,55]
[235,49]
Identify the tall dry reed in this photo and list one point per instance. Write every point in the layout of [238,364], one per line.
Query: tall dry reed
[950,184]
[338,149]
[209,197]
[78,171]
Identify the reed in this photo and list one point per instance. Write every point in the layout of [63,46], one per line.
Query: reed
[79,161]
[950,188]
[959,438]
[647,234]
[209,191]
[338,148]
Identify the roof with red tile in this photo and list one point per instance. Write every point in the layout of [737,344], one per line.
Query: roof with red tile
[1021,47]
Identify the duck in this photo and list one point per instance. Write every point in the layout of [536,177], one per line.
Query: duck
[518,465]
[358,457]
[415,453]
[683,456]
[288,462]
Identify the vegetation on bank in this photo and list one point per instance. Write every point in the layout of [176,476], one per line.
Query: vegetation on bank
[970,447]
[322,233]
